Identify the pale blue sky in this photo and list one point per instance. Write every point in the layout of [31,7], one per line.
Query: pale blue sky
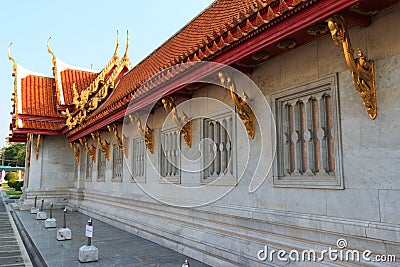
[83,33]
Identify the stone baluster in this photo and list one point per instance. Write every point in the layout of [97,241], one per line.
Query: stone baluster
[286,139]
[223,147]
[211,147]
[296,138]
[229,146]
[321,134]
[218,150]
[308,136]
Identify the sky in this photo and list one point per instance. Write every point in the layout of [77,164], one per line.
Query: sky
[83,34]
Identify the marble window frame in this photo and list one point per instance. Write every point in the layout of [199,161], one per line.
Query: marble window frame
[138,179]
[114,162]
[176,179]
[223,180]
[101,158]
[89,168]
[336,181]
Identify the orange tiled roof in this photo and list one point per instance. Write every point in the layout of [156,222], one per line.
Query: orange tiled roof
[201,30]
[80,77]
[38,96]
[43,125]
[196,34]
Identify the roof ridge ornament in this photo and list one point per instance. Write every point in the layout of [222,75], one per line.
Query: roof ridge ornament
[14,68]
[127,45]
[11,58]
[115,56]
[55,72]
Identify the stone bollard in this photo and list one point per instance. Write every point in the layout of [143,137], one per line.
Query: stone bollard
[50,222]
[186,264]
[41,215]
[88,252]
[34,209]
[64,233]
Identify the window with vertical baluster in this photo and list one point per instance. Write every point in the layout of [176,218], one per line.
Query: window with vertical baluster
[138,160]
[170,156]
[117,164]
[89,168]
[218,133]
[101,167]
[308,136]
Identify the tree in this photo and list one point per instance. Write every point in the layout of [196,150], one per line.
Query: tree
[14,154]
[11,177]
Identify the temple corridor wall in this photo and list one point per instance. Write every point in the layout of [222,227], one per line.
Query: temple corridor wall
[51,176]
[234,228]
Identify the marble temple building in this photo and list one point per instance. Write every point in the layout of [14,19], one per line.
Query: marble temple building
[260,123]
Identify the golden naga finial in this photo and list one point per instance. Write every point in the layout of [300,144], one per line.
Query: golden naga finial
[362,68]
[11,58]
[50,51]
[127,45]
[115,56]
[241,103]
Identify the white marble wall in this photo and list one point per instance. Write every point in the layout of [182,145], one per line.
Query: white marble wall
[52,175]
[236,226]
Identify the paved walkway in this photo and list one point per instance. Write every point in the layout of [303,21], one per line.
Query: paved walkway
[10,242]
[116,247]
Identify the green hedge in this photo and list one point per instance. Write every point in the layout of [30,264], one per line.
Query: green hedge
[17,185]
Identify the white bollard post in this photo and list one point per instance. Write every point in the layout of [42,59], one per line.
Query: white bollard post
[64,233]
[50,222]
[88,252]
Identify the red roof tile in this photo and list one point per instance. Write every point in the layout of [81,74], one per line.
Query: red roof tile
[42,125]
[38,96]
[184,42]
[80,77]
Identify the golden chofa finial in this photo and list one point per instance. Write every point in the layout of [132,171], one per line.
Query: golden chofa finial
[54,58]
[11,58]
[49,49]
[127,45]
[116,48]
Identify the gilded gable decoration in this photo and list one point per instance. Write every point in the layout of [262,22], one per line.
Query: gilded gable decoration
[362,68]
[99,90]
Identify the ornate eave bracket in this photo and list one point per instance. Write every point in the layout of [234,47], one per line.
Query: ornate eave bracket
[241,103]
[104,146]
[362,68]
[91,150]
[37,146]
[183,122]
[147,134]
[113,129]
[77,151]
